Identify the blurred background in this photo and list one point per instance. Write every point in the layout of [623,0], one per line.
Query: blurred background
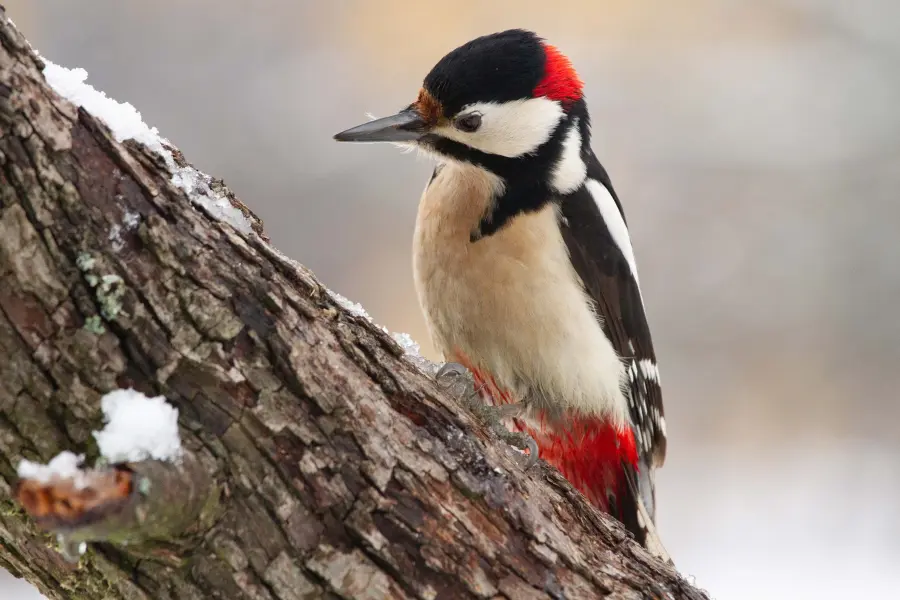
[756,147]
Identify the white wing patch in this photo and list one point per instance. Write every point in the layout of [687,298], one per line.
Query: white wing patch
[648,416]
[569,172]
[614,222]
[649,370]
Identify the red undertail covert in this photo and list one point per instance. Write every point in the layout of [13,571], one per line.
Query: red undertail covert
[589,452]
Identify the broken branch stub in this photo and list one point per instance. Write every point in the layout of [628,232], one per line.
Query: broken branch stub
[127,503]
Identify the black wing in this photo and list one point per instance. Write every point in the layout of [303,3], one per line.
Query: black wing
[607,278]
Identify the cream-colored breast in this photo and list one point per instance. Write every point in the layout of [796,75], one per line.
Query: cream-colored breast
[511,303]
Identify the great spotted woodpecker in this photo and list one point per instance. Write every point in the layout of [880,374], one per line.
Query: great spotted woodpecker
[524,267]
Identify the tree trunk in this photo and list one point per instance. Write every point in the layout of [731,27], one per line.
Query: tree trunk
[326,463]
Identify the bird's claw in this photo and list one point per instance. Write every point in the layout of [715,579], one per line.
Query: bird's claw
[450,374]
[456,379]
[450,371]
[493,417]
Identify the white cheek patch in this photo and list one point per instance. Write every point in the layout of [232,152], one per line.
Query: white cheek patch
[569,172]
[509,129]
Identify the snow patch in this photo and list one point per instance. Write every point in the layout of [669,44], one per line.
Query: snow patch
[138,428]
[64,465]
[115,236]
[410,347]
[126,123]
[406,342]
[352,307]
[131,219]
[123,119]
[411,352]
[129,222]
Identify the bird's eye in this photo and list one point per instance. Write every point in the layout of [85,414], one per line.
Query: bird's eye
[468,123]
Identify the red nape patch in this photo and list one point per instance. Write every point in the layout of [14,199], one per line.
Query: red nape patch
[560,80]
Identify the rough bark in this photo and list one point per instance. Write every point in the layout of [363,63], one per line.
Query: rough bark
[340,469]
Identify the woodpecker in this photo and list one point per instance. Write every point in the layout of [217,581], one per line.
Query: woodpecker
[525,271]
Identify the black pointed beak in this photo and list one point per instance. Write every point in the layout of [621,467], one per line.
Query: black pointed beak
[406,126]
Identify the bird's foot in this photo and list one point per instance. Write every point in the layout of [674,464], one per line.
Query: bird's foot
[493,417]
[453,376]
[450,373]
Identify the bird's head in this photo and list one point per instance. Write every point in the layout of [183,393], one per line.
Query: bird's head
[507,102]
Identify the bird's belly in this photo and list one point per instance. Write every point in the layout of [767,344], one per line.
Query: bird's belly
[511,306]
